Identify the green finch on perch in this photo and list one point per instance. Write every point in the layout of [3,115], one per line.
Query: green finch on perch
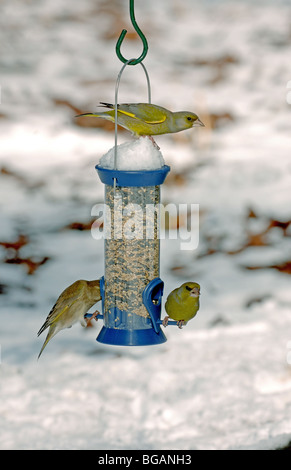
[148,119]
[71,306]
[183,303]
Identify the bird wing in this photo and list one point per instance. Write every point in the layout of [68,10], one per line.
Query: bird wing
[145,112]
[68,297]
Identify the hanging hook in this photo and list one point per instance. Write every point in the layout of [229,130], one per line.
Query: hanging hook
[141,35]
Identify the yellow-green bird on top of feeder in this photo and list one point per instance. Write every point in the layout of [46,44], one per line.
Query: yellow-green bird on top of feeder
[144,119]
[71,306]
[183,303]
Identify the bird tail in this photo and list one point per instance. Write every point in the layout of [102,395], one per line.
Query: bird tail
[108,105]
[102,115]
[106,115]
[52,332]
[44,327]
[91,115]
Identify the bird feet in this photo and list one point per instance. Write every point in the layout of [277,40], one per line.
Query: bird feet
[94,315]
[153,141]
[165,321]
[180,323]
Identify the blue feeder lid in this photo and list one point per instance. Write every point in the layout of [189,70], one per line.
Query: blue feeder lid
[133,178]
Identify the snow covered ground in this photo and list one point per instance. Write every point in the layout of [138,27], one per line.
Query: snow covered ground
[224,381]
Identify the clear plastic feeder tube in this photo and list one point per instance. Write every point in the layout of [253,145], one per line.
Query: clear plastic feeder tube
[132,247]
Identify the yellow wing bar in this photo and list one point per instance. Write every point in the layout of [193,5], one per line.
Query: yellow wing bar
[143,120]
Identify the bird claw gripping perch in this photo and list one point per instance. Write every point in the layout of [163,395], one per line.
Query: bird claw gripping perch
[95,315]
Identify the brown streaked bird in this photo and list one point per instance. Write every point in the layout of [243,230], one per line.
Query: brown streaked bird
[71,306]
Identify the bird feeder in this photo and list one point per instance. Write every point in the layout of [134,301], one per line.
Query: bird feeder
[131,288]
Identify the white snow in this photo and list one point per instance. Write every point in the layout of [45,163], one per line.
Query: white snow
[138,154]
[224,381]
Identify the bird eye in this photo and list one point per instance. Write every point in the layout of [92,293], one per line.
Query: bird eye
[189,118]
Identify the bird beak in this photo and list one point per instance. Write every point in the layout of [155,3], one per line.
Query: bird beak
[195,292]
[198,123]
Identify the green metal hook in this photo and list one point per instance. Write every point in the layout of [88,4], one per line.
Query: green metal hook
[141,35]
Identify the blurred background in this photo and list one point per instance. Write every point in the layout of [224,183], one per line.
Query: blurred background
[223,381]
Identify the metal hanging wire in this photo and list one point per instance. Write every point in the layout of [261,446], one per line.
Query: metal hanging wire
[128,62]
[116,101]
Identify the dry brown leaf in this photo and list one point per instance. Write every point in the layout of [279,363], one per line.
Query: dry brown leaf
[217,62]
[283,268]
[251,214]
[16,245]
[176,178]
[255,239]
[30,265]
[280,224]
[20,178]
[177,268]
[83,225]
[67,104]
[217,120]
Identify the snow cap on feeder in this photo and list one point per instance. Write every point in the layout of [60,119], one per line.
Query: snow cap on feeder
[139,154]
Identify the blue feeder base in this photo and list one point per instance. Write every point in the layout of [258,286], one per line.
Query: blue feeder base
[138,336]
[118,337]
